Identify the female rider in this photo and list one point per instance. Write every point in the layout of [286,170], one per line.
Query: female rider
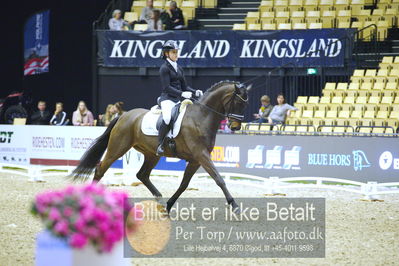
[174,88]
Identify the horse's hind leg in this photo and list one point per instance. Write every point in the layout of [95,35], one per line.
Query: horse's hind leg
[105,164]
[150,161]
[188,174]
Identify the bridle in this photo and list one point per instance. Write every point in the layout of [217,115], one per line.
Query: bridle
[229,114]
[231,102]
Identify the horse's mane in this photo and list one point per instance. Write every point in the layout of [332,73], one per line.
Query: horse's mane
[218,85]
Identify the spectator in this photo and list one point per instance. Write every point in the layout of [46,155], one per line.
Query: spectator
[280,111]
[42,116]
[82,116]
[175,16]
[155,23]
[59,117]
[117,109]
[224,126]
[116,22]
[264,110]
[106,118]
[146,12]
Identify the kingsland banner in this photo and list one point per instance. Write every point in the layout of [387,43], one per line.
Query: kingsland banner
[301,48]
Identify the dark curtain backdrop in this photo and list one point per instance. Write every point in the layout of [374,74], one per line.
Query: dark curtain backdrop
[69,79]
[142,92]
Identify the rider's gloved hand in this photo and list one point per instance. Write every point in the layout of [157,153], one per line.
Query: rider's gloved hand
[187,94]
[199,93]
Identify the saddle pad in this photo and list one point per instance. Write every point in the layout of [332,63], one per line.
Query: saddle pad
[149,124]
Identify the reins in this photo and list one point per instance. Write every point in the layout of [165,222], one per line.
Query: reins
[209,108]
[229,114]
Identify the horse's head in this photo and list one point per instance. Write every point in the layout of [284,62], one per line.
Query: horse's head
[235,104]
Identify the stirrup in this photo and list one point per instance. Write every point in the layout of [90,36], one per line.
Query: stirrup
[160,149]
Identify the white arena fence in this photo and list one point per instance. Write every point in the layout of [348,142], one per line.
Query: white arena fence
[38,152]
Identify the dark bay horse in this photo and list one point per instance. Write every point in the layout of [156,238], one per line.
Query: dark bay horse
[193,144]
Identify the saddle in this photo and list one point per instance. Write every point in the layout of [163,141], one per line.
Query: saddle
[153,119]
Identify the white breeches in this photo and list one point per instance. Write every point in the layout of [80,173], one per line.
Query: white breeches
[167,107]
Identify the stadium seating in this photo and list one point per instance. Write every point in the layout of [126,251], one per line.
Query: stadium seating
[140,27]
[240,27]
[364,105]
[370,100]
[301,14]
[187,6]
[316,14]
[131,16]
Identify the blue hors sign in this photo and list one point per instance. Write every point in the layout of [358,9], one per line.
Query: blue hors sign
[353,158]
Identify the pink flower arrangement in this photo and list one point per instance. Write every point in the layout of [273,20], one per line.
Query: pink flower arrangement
[89,214]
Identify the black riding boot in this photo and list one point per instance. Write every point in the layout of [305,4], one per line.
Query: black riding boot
[163,130]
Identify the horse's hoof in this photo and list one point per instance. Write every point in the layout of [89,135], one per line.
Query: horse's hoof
[161,208]
[160,200]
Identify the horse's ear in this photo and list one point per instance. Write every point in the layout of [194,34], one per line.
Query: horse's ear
[249,87]
[240,86]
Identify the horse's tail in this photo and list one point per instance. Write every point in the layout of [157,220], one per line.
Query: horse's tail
[93,155]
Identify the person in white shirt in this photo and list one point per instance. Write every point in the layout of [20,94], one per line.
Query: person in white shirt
[116,22]
[280,111]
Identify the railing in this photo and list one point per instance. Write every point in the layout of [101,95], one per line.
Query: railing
[320,128]
[350,131]
[39,173]
[358,129]
[277,186]
[272,185]
[371,45]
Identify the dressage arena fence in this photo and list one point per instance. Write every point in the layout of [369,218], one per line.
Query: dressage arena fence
[273,186]
[368,166]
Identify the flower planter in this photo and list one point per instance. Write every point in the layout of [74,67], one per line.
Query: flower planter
[89,221]
[51,250]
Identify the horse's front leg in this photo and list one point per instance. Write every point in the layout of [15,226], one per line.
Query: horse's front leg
[208,165]
[191,168]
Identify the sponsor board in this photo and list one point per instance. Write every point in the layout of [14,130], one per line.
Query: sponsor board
[61,145]
[47,145]
[36,43]
[226,156]
[387,161]
[303,48]
[14,145]
[354,158]
[171,164]
[274,158]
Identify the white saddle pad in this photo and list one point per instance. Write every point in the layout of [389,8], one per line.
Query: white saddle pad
[149,122]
